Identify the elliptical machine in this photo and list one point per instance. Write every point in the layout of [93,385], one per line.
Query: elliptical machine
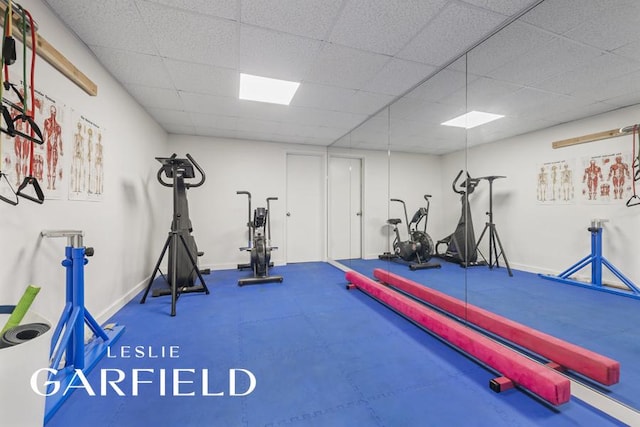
[461,244]
[418,249]
[259,245]
[183,252]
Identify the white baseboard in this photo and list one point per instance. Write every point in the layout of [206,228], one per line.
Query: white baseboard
[121,302]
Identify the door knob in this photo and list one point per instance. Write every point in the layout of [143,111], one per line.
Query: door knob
[288,213]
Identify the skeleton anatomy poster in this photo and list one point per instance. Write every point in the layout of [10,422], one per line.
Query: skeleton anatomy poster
[48,163]
[87,173]
[555,184]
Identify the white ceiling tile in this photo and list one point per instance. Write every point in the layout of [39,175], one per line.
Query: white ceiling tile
[340,119]
[558,56]
[593,74]
[562,16]
[382,26]
[614,27]
[398,76]
[119,24]
[624,100]
[614,88]
[217,133]
[442,39]
[345,67]
[134,68]
[630,50]
[155,97]
[210,104]
[439,86]
[364,102]
[179,129]
[166,116]
[405,107]
[333,98]
[203,79]
[246,124]
[220,8]
[580,110]
[484,91]
[512,42]
[503,7]
[322,96]
[309,18]
[203,120]
[191,37]
[276,55]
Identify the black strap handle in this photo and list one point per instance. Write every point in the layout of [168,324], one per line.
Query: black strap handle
[30,180]
[12,202]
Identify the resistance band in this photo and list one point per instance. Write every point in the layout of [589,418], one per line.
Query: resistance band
[21,309]
[8,55]
[634,200]
[29,113]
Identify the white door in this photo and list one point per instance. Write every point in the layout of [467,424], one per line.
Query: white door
[345,208]
[305,208]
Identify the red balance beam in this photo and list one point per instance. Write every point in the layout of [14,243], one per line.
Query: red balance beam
[588,363]
[540,380]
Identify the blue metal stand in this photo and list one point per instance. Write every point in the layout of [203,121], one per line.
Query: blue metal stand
[596,260]
[68,337]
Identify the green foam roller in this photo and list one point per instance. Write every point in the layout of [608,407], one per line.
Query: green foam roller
[21,309]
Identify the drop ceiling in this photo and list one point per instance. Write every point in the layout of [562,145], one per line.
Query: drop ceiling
[181,60]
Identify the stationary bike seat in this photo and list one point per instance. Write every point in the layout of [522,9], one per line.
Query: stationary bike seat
[394,221]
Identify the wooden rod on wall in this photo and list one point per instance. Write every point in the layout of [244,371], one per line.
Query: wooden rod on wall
[50,54]
[587,138]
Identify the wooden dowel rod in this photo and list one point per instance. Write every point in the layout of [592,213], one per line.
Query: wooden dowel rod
[588,138]
[50,54]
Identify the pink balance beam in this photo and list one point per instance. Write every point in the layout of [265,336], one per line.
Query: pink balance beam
[588,363]
[540,380]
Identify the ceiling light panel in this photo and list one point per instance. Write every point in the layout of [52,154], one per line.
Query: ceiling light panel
[472,119]
[264,89]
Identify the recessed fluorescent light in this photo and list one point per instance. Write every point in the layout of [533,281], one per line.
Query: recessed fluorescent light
[263,89]
[472,119]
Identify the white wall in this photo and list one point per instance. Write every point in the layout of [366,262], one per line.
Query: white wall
[122,227]
[218,214]
[550,238]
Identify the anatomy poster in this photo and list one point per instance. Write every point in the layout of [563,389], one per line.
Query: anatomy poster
[47,165]
[555,182]
[86,171]
[606,178]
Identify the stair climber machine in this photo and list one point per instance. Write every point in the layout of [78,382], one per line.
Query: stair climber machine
[182,268]
[460,246]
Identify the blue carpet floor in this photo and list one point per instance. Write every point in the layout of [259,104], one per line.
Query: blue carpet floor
[602,322]
[321,356]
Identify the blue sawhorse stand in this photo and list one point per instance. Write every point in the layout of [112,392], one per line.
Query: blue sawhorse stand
[68,337]
[596,260]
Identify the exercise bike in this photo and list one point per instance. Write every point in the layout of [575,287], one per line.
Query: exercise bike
[418,249]
[461,244]
[259,245]
[183,252]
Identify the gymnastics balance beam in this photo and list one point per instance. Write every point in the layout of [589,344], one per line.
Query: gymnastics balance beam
[540,380]
[570,356]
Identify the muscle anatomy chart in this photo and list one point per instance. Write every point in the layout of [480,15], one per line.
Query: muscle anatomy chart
[606,178]
[48,163]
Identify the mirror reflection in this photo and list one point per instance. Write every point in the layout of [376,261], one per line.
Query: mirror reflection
[543,191]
